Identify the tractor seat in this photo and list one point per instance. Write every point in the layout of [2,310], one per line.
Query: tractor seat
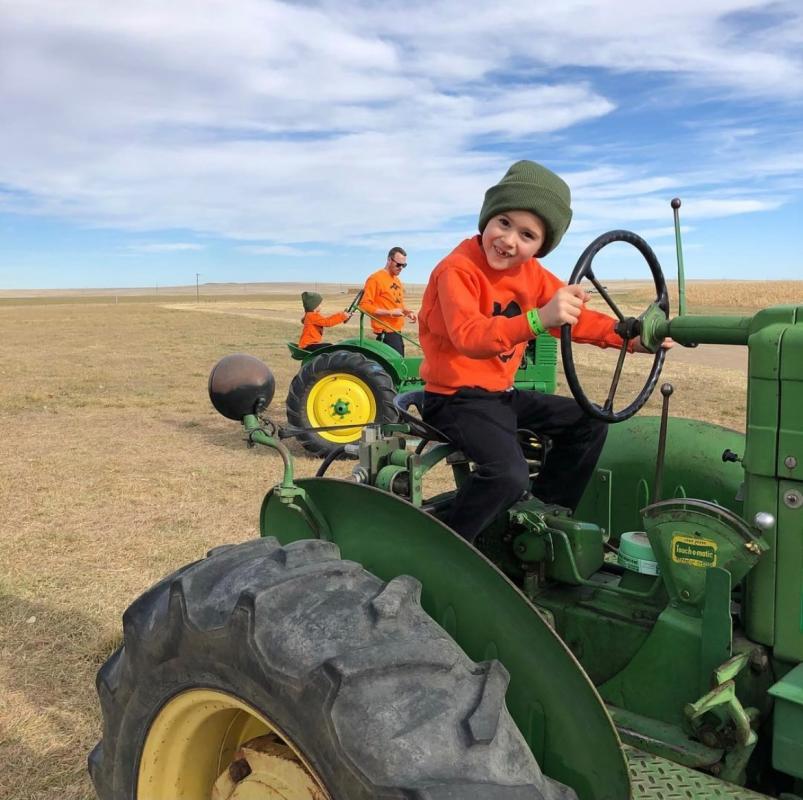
[297,353]
[415,399]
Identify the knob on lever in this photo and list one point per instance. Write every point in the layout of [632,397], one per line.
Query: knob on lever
[666,391]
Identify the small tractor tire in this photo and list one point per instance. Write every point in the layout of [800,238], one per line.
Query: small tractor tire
[292,645]
[336,388]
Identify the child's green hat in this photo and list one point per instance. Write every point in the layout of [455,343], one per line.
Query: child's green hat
[528,186]
[310,300]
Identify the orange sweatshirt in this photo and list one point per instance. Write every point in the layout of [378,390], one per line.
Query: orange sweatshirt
[383,291]
[473,325]
[314,323]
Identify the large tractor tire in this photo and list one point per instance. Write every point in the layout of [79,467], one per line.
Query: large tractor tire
[266,672]
[337,388]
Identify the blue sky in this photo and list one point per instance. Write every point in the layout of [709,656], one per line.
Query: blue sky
[248,140]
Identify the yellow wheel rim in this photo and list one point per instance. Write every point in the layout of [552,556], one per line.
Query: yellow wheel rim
[208,745]
[338,399]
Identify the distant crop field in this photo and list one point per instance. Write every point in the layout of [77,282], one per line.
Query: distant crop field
[729,296]
[115,470]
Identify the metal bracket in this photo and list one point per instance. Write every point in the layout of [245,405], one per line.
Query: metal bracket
[722,701]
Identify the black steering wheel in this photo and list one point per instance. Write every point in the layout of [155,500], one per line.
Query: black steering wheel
[627,327]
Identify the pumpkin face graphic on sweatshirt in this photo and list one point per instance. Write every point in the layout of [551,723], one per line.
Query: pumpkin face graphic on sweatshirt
[512,309]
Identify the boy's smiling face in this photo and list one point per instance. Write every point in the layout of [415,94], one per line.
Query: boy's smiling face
[511,238]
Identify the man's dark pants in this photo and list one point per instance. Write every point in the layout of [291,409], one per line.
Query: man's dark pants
[483,425]
[393,339]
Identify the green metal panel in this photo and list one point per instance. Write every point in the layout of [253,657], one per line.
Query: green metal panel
[589,623]
[763,399]
[773,387]
[761,494]
[716,640]
[550,697]
[540,372]
[787,724]
[790,442]
[789,586]
[582,550]
[623,484]
[413,367]
[789,466]
[671,649]
[775,315]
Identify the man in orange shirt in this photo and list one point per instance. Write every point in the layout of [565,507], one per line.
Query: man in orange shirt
[314,322]
[384,300]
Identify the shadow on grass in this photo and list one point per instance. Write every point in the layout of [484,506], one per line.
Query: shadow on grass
[233,439]
[50,719]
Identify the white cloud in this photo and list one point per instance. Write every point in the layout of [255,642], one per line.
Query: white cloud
[165,247]
[278,250]
[354,121]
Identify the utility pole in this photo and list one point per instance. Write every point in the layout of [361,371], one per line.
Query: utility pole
[197,289]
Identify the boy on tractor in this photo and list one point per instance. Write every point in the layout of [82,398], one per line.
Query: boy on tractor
[482,304]
[314,322]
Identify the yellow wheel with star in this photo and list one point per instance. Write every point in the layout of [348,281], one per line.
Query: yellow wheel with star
[269,672]
[333,390]
[338,399]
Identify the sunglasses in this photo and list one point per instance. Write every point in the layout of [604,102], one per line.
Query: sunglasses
[398,264]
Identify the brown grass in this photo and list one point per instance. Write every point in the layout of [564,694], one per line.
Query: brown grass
[734,297]
[114,470]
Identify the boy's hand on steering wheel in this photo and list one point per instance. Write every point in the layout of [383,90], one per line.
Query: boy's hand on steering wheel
[564,307]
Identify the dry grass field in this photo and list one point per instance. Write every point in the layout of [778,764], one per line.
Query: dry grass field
[114,470]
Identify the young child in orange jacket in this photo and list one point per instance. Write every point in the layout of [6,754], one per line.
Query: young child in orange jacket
[314,322]
[483,302]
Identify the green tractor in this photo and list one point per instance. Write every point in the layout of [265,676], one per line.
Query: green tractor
[346,385]
[648,646]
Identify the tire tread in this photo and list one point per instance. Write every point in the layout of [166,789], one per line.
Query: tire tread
[381,700]
[316,368]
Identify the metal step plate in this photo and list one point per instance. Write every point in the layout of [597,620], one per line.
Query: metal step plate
[655,778]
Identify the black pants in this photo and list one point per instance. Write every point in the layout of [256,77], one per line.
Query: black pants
[393,339]
[317,346]
[483,425]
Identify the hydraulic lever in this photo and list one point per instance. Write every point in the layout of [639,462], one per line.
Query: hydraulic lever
[666,391]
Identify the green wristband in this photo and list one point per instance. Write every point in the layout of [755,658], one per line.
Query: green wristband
[536,326]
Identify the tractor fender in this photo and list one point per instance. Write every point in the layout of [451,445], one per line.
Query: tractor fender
[550,697]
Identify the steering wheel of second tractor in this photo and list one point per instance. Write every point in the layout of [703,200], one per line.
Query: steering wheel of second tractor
[352,307]
[627,327]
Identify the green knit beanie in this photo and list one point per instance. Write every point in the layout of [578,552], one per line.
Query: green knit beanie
[528,186]
[310,300]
